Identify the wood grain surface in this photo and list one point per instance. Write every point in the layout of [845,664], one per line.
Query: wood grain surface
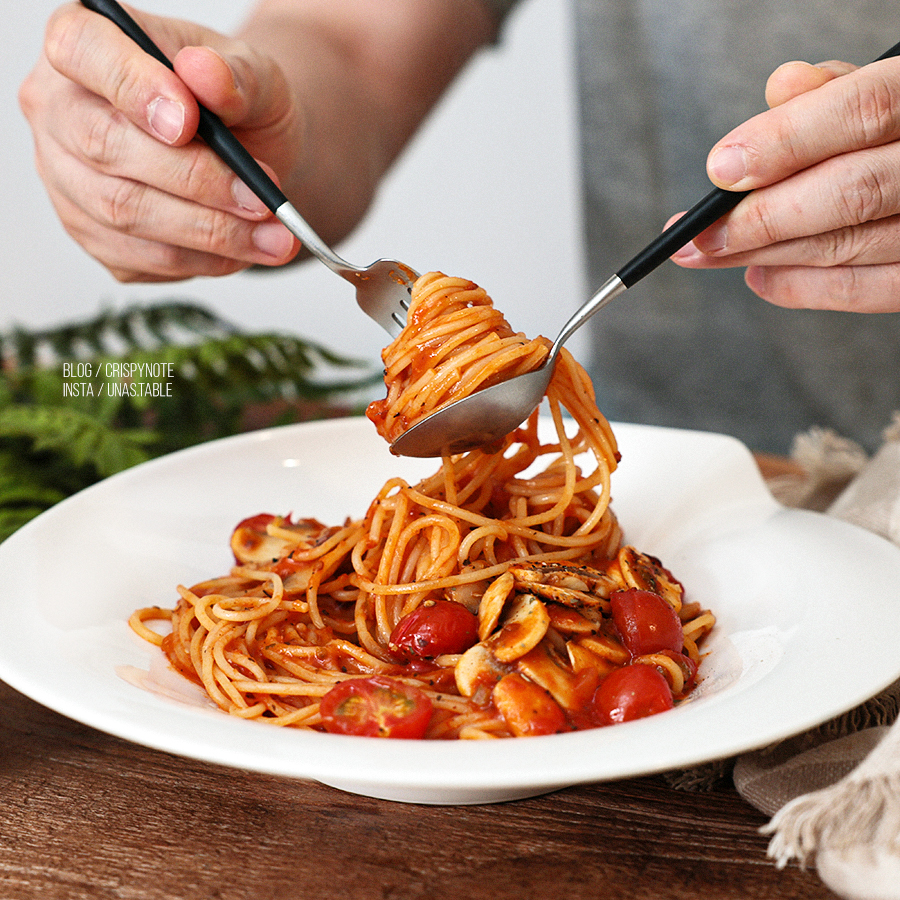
[85,815]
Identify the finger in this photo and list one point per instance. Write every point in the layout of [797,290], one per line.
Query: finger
[102,141]
[872,243]
[871,289]
[841,192]
[859,110]
[250,94]
[132,259]
[794,78]
[208,241]
[242,87]
[91,51]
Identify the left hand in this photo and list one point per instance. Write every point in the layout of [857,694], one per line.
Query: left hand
[822,226]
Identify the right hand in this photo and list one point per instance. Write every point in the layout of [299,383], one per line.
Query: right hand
[113,132]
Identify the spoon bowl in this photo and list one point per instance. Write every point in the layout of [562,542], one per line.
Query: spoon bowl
[478,420]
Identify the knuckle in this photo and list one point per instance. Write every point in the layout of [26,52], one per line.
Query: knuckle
[219,233]
[838,248]
[197,172]
[121,205]
[63,35]
[102,137]
[863,198]
[843,287]
[762,223]
[873,110]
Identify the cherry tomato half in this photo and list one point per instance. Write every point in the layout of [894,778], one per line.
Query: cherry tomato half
[646,623]
[434,628]
[376,707]
[632,692]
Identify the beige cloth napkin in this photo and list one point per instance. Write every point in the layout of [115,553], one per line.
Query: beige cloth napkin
[834,792]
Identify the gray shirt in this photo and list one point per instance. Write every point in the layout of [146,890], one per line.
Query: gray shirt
[660,84]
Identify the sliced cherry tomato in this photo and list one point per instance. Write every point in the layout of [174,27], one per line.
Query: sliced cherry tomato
[434,628]
[527,708]
[376,707]
[646,622]
[632,692]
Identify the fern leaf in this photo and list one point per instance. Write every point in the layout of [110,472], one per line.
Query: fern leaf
[76,436]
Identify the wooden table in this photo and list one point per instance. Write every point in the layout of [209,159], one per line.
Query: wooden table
[85,815]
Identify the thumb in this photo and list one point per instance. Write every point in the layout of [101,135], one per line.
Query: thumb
[794,78]
[249,92]
[246,90]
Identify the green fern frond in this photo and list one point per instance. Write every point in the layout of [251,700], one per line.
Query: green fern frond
[18,493]
[77,437]
[112,333]
[29,485]
[62,429]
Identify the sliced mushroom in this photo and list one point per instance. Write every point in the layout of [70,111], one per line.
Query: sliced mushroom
[605,647]
[568,620]
[523,627]
[251,541]
[492,603]
[469,593]
[570,585]
[526,707]
[252,546]
[478,671]
[647,573]
[581,658]
[545,667]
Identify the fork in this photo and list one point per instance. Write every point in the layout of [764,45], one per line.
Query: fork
[382,288]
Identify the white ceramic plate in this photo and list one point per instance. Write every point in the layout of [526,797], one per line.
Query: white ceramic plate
[808,610]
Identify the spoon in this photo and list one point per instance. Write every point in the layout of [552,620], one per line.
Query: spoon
[485,417]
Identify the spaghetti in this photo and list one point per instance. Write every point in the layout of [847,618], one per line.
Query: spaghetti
[455,343]
[494,598]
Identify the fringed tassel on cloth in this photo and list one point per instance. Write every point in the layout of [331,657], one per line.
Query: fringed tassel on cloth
[862,809]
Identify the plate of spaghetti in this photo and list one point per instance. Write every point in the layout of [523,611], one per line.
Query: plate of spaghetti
[580,603]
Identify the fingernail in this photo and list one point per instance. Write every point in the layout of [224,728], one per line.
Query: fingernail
[166,119]
[728,165]
[687,252]
[755,279]
[714,239]
[246,199]
[273,239]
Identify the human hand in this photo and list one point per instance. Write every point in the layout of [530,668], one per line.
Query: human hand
[822,226]
[113,132]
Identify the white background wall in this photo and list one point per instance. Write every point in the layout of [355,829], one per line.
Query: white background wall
[488,190]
